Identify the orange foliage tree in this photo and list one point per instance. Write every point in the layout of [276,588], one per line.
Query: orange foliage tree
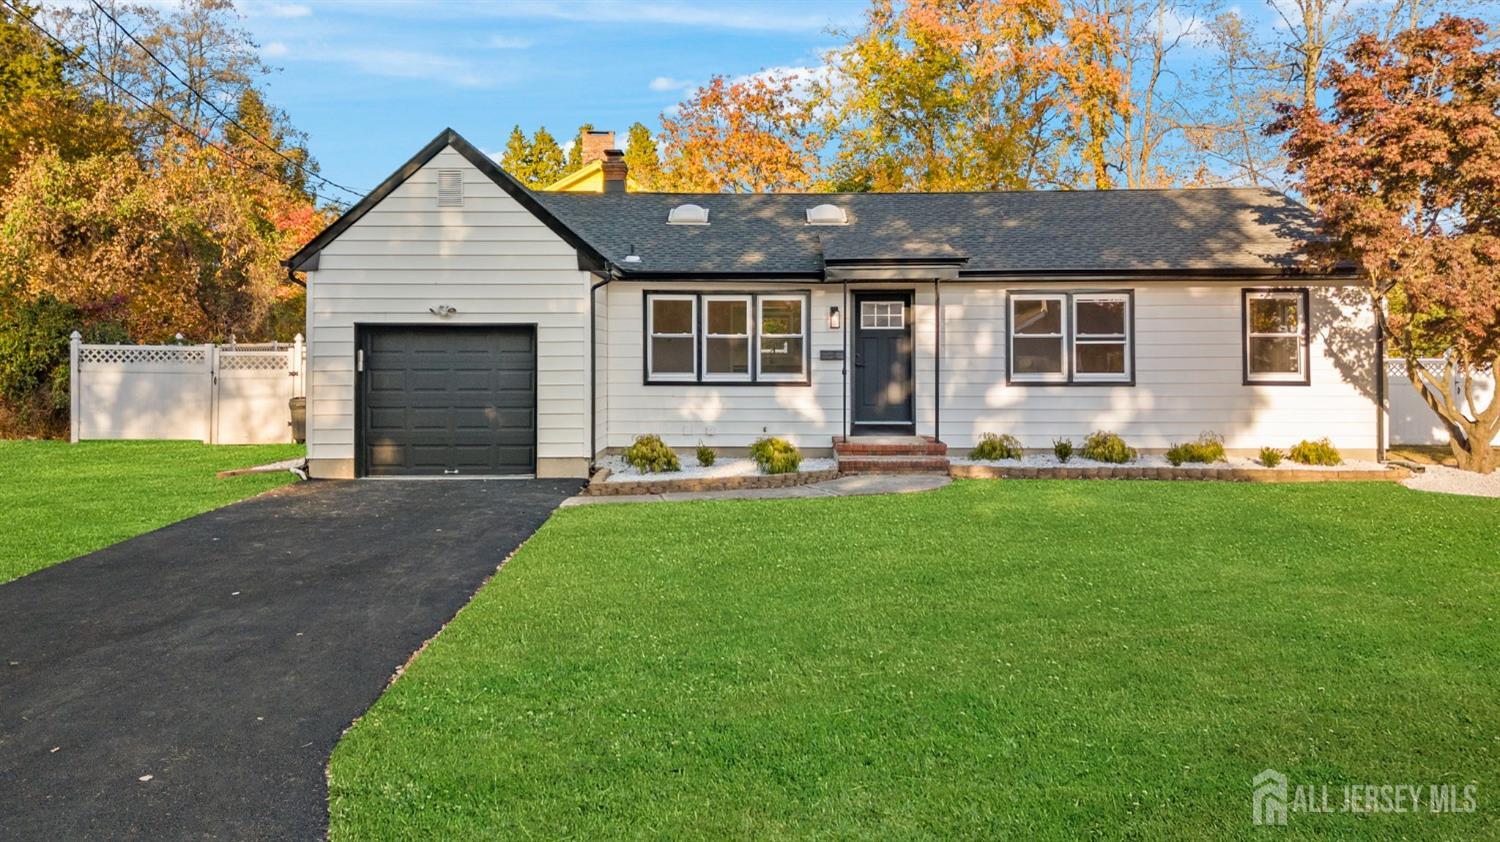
[749,135]
[1405,172]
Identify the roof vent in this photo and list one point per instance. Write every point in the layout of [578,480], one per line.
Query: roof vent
[688,215]
[827,215]
[450,188]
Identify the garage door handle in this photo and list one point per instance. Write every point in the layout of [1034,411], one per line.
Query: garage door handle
[359,360]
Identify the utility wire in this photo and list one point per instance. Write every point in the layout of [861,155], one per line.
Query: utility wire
[222,113]
[203,141]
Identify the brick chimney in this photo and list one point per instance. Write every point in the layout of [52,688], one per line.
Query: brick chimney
[613,165]
[595,144]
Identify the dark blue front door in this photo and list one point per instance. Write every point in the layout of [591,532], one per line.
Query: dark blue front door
[882,362]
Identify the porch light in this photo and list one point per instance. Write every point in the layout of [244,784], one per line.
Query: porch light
[835,321]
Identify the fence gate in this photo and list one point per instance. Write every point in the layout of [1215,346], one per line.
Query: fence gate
[232,394]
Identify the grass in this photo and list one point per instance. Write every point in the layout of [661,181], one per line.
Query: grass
[62,500]
[1039,660]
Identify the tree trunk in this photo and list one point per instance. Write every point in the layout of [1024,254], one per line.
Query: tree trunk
[1468,438]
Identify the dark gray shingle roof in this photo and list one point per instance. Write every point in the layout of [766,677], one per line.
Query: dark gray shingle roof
[1229,230]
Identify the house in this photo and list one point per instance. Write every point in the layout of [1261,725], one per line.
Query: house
[460,324]
[598,153]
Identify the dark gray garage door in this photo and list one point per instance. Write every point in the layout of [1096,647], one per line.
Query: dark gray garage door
[447,400]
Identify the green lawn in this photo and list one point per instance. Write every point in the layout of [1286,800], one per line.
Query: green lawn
[997,659]
[62,500]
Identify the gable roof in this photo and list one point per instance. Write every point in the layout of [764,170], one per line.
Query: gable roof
[305,257]
[1206,232]
[1212,231]
[577,180]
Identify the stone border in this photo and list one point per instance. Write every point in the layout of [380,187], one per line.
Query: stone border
[1389,474]
[599,488]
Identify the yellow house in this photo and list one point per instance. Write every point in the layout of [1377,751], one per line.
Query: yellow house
[603,168]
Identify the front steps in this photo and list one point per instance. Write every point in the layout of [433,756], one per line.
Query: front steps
[891,455]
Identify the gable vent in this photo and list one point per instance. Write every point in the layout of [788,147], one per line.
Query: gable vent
[688,215]
[827,215]
[450,188]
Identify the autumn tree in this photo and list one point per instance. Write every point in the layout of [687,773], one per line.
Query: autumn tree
[642,158]
[1405,172]
[751,135]
[547,160]
[575,152]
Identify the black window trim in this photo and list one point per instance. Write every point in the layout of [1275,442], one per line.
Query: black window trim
[1305,340]
[702,378]
[1069,348]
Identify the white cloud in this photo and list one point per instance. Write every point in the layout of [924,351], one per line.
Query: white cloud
[667,83]
[765,17]
[288,10]
[508,42]
[275,49]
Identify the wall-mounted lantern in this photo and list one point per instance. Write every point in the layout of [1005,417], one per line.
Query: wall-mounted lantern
[442,311]
[835,319]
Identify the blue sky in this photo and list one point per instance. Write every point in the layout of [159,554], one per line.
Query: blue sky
[370,81]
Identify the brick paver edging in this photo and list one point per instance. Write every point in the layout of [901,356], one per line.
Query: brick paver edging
[599,488]
[1389,474]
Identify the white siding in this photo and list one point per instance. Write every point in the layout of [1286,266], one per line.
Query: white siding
[491,259]
[1189,374]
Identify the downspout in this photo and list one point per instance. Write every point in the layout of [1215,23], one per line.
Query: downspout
[1380,412]
[937,362]
[594,371]
[847,327]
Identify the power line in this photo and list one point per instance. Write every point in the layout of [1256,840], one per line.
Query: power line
[222,113]
[203,141]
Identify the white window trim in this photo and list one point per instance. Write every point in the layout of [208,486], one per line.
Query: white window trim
[1061,336]
[1124,339]
[1301,334]
[760,334]
[748,336]
[651,334]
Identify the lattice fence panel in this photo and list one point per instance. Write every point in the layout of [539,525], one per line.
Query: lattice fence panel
[141,354]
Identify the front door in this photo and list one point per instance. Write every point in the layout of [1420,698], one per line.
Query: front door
[882,363]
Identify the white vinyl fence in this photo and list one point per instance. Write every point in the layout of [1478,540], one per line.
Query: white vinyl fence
[217,394]
[1410,420]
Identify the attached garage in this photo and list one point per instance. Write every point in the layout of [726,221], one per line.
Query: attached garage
[446,400]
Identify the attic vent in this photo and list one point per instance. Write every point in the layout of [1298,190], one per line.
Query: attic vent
[688,215]
[450,188]
[827,215]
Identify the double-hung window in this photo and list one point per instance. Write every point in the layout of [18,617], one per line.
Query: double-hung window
[1101,337]
[727,338]
[1276,347]
[1070,337]
[782,337]
[671,331]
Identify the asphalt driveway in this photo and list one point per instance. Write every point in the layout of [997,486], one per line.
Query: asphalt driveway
[191,682]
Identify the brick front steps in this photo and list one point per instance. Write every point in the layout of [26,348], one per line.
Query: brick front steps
[599,488]
[891,455]
[1390,473]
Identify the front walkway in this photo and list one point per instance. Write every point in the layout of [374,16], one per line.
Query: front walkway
[191,682]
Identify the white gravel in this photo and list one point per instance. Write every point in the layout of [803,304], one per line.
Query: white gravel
[725,466]
[1453,481]
[1047,460]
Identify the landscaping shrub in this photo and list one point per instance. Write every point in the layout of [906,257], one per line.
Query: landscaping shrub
[1270,457]
[992,447]
[1208,448]
[1062,449]
[649,455]
[1320,452]
[776,456]
[706,455]
[1106,447]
